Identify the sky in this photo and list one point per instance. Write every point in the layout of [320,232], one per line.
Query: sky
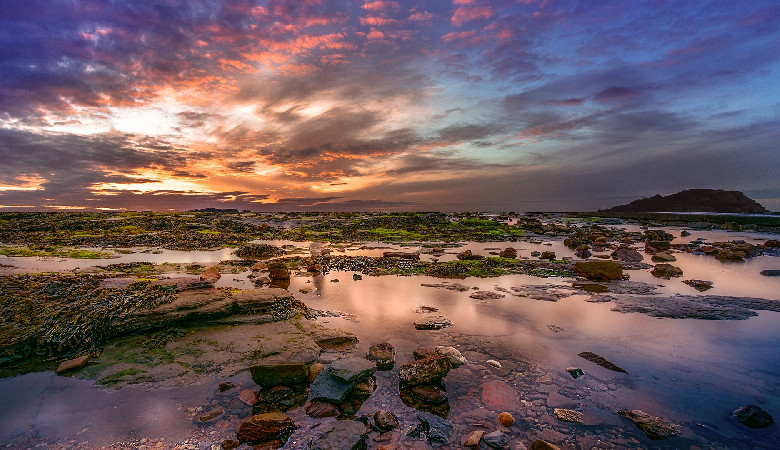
[461,105]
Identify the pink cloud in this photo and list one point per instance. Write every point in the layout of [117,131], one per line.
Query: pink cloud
[423,16]
[458,35]
[380,5]
[375,35]
[466,14]
[376,21]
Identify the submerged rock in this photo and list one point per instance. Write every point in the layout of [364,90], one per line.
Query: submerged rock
[341,435]
[752,416]
[266,427]
[699,285]
[327,387]
[474,439]
[542,445]
[320,408]
[654,427]
[383,354]
[486,295]
[436,429]
[269,375]
[575,372]
[663,257]
[425,370]
[596,359]
[506,419]
[385,421]
[567,415]
[499,396]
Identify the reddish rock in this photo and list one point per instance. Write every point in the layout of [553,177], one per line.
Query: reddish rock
[321,408]
[248,396]
[499,396]
[72,364]
[506,419]
[211,274]
[425,370]
[265,427]
[543,445]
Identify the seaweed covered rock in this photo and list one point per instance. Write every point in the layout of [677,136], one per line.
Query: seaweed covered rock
[383,354]
[425,370]
[258,251]
[666,271]
[599,270]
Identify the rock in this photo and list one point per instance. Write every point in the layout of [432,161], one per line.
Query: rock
[424,352]
[427,370]
[542,445]
[752,416]
[599,270]
[663,257]
[657,246]
[230,444]
[770,273]
[265,427]
[685,233]
[383,354]
[341,435]
[728,256]
[385,421]
[320,408]
[306,290]
[654,427]
[436,429]
[494,363]
[253,251]
[332,389]
[72,364]
[499,396]
[536,254]
[357,276]
[268,375]
[211,275]
[451,353]
[211,415]
[508,252]
[772,243]
[314,370]
[474,439]
[486,295]
[707,307]
[429,393]
[699,285]
[338,340]
[468,256]
[583,252]
[496,439]
[278,270]
[352,370]
[506,419]
[666,271]
[248,396]
[591,288]
[402,255]
[596,359]
[433,322]
[575,372]
[547,255]
[568,415]
[314,268]
[226,386]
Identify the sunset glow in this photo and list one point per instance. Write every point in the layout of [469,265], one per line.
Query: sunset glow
[385,105]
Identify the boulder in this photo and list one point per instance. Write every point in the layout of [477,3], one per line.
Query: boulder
[426,370]
[654,427]
[341,435]
[266,427]
[383,354]
[599,270]
[352,370]
[770,273]
[663,257]
[583,252]
[547,255]
[752,416]
[278,270]
[506,419]
[72,364]
[508,252]
[728,256]
[657,246]
[699,285]
[329,388]
[269,375]
[248,397]
[666,271]
[467,255]
[772,243]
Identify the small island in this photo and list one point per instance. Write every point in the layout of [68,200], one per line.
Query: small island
[695,200]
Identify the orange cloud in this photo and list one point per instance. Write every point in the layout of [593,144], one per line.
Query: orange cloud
[467,14]
[380,5]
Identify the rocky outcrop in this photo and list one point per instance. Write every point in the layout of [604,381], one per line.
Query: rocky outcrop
[695,200]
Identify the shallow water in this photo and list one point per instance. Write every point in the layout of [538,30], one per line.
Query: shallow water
[694,372]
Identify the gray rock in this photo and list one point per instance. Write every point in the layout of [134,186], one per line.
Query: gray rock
[436,429]
[752,416]
[352,370]
[496,439]
[341,435]
[451,353]
[627,254]
[709,307]
[329,388]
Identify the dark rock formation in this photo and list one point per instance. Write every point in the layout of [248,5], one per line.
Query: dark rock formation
[695,200]
[599,270]
[752,416]
[654,427]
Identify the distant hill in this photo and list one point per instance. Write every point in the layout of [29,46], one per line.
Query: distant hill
[695,200]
